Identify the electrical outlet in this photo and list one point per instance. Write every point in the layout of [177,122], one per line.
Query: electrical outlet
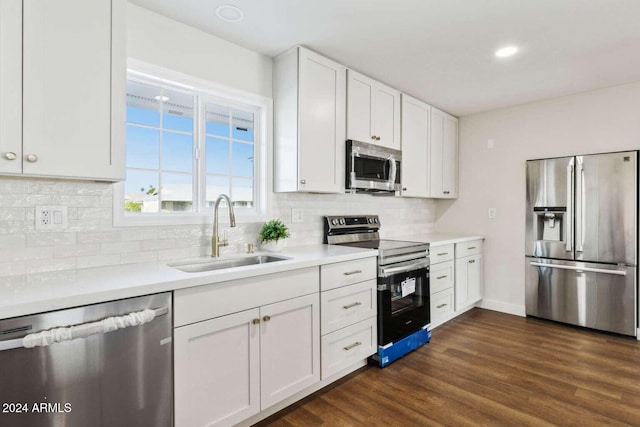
[492,213]
[297,215]
[490,144]
[51,217]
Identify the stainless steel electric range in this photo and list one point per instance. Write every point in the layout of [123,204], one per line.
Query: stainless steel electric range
[403,283]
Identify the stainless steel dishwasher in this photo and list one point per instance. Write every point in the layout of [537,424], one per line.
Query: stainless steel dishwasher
[106,364]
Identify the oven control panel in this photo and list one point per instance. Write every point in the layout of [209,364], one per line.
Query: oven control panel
[371,222]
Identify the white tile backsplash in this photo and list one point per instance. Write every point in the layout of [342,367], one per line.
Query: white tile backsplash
[90,240]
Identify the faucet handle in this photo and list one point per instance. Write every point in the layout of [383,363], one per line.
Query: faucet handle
[248,247]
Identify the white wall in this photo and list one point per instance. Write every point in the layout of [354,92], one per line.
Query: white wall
[591,122]
[161,41]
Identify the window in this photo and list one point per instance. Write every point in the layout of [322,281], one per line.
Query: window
[184,147]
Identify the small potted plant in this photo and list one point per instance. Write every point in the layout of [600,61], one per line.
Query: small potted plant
[272,234]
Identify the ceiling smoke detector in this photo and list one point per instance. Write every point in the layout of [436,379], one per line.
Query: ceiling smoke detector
[506,51]
[229,13]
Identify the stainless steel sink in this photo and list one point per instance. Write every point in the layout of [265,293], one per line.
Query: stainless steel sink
[221,264]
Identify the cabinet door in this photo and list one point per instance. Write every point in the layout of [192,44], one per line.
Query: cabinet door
[217,370]
[444,155]
[468,281]
[289,348]
[416,116]
[360,95]
[11,86]
[450,158]
[386,116]
[67,89]
[322,92]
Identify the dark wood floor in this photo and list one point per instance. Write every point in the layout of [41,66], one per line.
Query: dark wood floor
[488,368]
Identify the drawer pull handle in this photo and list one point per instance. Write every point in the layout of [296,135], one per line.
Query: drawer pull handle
[255,321]
[471,261]
[349,273]
[441,305]
[266,318]
[471,247]
[443,253]
[354,345]
[348,306]
[441,277]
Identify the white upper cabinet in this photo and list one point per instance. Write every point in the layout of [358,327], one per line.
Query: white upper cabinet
[73,88]
[309,96]
[373,111]
[10,86]
[416,118]
[443,155]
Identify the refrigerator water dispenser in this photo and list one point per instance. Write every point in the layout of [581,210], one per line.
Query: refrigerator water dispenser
[549,224]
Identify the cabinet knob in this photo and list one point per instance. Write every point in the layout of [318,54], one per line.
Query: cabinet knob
[445,192]
[471,261]
[10,156]
[266,318]
[377,138]
[255,321]
[404,188]
[303,181]
[373,137]
[32,158]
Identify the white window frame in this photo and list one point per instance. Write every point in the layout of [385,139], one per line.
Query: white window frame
[263,140]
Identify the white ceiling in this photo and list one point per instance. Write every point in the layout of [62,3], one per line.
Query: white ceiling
[442,51]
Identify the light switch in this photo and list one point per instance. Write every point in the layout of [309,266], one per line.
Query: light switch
[492,213]
[297,215]
[490,144]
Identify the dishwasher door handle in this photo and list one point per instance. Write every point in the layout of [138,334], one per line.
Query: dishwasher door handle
[83,330]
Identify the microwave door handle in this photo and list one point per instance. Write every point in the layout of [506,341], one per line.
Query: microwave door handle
[392,171]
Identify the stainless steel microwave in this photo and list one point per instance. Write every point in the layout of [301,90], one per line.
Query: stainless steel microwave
[372,168]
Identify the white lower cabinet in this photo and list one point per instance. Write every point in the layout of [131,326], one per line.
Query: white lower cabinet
[237,364]
[349,307]
[217,370]
[468,274]
[441,306]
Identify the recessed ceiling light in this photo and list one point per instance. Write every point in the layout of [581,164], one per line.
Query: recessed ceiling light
[506,51]
[161,98]
[229,13]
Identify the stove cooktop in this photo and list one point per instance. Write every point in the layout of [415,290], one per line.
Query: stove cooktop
[383,244]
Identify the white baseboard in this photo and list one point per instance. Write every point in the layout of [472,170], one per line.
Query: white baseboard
[503,307]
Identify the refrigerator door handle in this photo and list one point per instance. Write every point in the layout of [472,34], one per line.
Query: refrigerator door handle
[569,218]
[585,269]
[580,205]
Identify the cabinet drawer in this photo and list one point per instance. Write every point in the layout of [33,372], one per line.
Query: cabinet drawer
[471,247]
[441,306]
[207,302]
[441,253]
[347,305]
[345,347]
[441,277]
[346,273]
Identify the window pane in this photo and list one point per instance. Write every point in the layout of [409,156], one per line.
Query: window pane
[217,158]
[217,120]
[216,185]
[242,192]
[177,111]
[143,104]
[177,152]
[176,192]
[242,155]
[242,125]
[141,192]
[143,147]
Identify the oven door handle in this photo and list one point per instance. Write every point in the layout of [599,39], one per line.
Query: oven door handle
[391,270]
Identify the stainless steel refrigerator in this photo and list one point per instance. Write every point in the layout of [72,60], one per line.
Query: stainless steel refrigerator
[581,240]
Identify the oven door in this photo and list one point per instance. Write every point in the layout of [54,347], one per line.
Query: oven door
[403,300]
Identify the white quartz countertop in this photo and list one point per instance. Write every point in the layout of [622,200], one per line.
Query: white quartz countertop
[437,239]
[37,293]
